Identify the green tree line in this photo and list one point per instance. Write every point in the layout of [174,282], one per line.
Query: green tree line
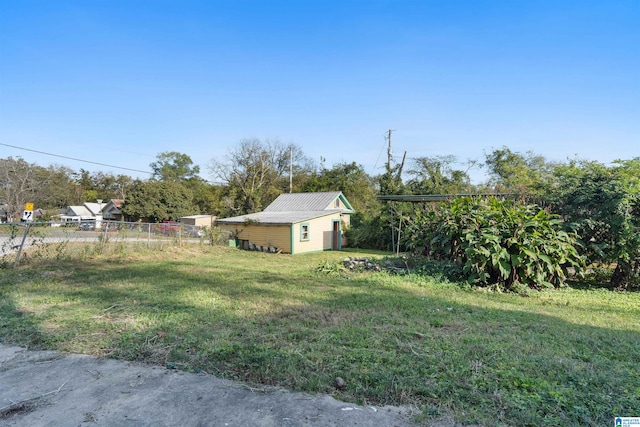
[598,202]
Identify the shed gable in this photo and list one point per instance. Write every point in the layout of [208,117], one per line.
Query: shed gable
[297,202]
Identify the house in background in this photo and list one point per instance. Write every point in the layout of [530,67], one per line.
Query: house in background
[112,211]
[294,223]
[88,212]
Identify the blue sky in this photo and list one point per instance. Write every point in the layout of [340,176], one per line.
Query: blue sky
[118,82]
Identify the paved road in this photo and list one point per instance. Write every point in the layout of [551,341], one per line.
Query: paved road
[44,388]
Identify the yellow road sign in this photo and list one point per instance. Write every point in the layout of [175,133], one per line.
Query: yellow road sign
[28,206]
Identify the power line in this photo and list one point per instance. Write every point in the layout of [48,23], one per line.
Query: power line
[379,154]
[73,158]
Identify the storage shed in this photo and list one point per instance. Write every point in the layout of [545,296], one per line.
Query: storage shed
[294,223]
[198,220]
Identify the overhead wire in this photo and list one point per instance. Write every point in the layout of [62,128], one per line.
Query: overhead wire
[78,160]
[379,154]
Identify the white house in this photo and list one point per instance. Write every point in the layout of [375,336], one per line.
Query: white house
[87,212]
[113,210]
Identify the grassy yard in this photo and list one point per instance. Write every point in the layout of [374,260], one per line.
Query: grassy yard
[567,357]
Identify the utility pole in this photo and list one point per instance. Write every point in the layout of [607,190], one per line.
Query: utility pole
[389,152]
[290,169]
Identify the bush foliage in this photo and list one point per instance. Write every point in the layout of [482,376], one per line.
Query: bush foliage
[604,203]
[497,242]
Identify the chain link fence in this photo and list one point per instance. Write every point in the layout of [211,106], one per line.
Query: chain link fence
[25,241]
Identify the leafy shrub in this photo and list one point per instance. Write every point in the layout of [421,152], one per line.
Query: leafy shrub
[370,233]
[604,203]
[215,235]
[331,268]
[497,242]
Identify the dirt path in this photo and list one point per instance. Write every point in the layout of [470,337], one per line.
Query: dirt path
[45,388]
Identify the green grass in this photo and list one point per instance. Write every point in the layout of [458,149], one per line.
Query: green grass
[566,357]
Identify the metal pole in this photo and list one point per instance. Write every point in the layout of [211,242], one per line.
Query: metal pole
[24,237]
[399,231]
[104,239]
[393,232]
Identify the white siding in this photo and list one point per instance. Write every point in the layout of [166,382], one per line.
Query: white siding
[320,234]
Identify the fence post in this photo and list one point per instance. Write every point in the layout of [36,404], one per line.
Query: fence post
[24,237]
[105,236]
[148,236]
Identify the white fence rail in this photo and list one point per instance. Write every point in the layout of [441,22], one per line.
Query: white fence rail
[20,242]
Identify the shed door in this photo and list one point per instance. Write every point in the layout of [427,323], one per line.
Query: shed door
[336,236]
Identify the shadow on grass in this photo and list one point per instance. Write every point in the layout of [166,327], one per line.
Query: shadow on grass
[392,344]
[16,326]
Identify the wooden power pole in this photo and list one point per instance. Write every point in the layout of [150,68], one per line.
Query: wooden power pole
[389,152]
[290,169]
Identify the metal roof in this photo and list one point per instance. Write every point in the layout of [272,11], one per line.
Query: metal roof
[277,217]
[80,211]
[308,202]
[116,202]
[292,208]
[94,208]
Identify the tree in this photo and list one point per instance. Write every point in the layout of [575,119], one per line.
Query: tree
[436,175]
[174,166]
[157,201]
[256,172]
[18,185]
[109,186]
[210,199]
[603,204]
[84,189]
[121,185]
[100,185]
[56,187]
[520,173]
[351,179]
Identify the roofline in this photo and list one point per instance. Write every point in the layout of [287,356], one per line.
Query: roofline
[346,202]
[337,195]
[249,221]
[284,224]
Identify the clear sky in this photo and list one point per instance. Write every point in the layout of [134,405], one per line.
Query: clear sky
[118,82]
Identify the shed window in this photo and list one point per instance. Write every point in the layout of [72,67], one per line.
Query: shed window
[304,232]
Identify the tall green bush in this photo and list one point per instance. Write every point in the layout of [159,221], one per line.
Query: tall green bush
[497,242]
[369,232]
[604,202]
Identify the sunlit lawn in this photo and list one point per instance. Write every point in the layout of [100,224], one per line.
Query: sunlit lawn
[567,357]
